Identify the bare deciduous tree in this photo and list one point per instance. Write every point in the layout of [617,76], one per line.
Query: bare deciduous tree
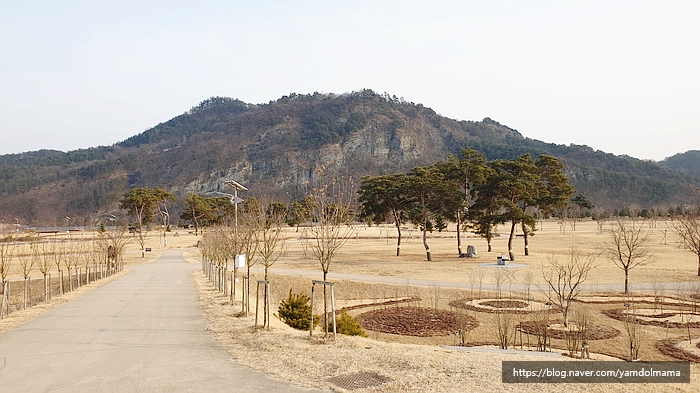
[112,244]
[43,255]
[541,327]
[564,278]
[7,248]
[57,258]
[26,262]
[218,246]
[635,333]
[627,246]
[504,320]
[659,288]
[582,315]
[269,238]
[600,216]
[687,228]
[504,323]
[270,245]
[332,214]
[7,252]
[69,261]
[248,246]
[85,255]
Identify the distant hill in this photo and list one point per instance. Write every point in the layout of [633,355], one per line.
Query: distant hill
[278,147]
[688,162]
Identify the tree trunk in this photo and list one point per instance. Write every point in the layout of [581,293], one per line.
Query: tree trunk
[265,295]
[398,244]
[247,290]
[459,237]
[525,238]
[325,305]
[511,255]
[398,229]
[2,300]
[46,292]
[627,277]
[425,243]
[234,275]
[26,291]
[699,265]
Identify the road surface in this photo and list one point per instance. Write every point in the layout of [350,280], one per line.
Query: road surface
[143,332]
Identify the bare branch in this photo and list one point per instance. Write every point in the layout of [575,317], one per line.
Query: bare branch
[564,279]
[627,246]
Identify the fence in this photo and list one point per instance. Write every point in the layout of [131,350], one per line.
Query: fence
[19,294]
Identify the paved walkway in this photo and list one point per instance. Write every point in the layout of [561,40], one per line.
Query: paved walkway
[144,332]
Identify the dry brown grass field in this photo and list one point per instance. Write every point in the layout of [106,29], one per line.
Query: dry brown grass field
[372,251]
[422,363]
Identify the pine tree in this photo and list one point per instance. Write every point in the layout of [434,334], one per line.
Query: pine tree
[296,311]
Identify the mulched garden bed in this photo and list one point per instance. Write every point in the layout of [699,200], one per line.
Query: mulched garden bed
[505,304]
[594,332]
[669,347]
[501,306]
[656,319]
[415,321]
[385,303]
[366,305]
[640,300]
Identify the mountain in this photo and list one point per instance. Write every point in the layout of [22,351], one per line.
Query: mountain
[688,162]
[279,147]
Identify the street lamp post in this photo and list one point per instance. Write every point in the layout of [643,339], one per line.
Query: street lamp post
[236,186]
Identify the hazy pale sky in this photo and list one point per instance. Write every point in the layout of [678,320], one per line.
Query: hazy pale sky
[619,76]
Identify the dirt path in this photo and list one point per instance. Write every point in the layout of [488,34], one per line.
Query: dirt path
[142,332]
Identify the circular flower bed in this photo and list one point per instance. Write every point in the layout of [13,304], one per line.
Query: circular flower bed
[503,306]
[649,316]
[415,321]
[559,331]
[680,348]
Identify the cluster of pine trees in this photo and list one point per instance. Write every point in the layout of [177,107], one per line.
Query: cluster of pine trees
[470,190]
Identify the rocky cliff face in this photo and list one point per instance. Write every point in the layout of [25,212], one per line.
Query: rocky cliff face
[278,161]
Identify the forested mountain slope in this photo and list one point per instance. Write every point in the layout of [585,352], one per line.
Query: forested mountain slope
[277,148]
[688,162]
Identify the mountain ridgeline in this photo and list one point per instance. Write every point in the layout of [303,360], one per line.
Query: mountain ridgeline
[688,162]
[280,147]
